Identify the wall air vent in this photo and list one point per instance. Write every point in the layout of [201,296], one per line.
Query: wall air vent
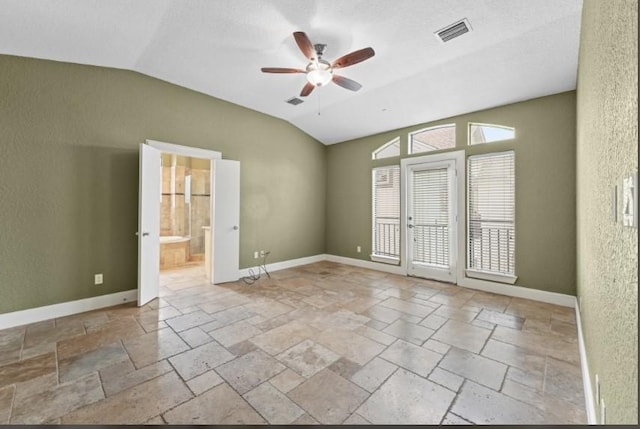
[294,101]
[454,30]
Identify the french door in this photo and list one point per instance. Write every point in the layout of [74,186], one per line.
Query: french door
[431,219]
[225,216]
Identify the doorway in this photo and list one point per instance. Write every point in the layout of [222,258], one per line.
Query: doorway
[223,210]
[184,211]
[431,218]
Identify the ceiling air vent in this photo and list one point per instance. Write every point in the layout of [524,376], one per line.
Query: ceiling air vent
[454,30]
[294,101]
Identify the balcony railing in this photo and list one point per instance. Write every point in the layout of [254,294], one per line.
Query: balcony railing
[387,237]
[492,247]
[491,244]
[431,244]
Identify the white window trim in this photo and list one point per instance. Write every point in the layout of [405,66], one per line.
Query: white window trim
[483,275]
[492,277]
[384,146]
[373,256]
[460,160]
[435,127]
[506,127]
[385,259]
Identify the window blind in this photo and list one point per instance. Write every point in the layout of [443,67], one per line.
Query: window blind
[491,213]
[386,211]
[430,216]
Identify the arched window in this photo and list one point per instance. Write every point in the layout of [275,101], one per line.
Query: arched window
[433,138]
[387,150]
[487,133]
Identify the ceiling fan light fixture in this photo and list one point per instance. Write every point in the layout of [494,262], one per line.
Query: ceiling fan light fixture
[319,74]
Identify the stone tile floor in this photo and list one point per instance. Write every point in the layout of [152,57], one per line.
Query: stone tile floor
[323,343]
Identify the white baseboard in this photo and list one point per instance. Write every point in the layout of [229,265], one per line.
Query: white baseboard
[283,265]
[33,315]
[499,288]
[378,266]
[38,314]
[519,292]
[586,377]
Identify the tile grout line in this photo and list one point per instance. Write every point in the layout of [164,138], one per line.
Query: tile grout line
[455,398]
[370,393]
[13,403]
[544,376]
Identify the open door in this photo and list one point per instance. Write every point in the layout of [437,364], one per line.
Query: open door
[226,220]
[149,224]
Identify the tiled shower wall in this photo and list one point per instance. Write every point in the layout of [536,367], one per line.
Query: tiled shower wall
[200,208]
[174,212]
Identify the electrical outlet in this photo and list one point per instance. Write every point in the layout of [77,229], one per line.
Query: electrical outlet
[597,390]
[97,279]
[603,412]
[255,255]
[358,249]
[262,253]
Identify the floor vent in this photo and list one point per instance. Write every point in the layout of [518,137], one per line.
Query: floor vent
[295,101]
[454,30]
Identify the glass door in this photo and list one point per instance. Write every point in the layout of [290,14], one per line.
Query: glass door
[431,220]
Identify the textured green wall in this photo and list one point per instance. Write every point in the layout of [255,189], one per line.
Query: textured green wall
[545,187]
[607,152]
[69,137]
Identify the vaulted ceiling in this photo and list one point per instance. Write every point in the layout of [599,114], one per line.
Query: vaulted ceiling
[516,50]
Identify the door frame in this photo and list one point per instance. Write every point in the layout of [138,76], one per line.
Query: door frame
[460,180]
[193,152]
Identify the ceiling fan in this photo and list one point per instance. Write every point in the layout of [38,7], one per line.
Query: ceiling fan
[320,72]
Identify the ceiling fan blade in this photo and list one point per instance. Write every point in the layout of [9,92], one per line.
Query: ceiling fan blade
[306,90]
[347,83]
[352,58]
[280,70]
[305,45]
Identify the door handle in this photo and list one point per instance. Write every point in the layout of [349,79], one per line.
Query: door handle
[236,227]
[409,226]
[144,234]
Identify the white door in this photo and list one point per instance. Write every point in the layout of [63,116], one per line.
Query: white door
[225,221]
[431,220]
[149,224]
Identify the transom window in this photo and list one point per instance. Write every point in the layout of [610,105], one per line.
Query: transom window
[387,150]
[487,133]
[433,138]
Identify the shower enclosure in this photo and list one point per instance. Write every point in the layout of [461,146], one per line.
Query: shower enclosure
[184,209]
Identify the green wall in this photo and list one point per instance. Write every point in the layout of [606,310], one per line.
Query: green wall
[607,152]
[69,137]
[545,187]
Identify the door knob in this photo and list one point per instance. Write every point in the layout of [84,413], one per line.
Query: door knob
[236,227]
[409,226]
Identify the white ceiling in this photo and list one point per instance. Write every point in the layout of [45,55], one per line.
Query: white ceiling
[518,49]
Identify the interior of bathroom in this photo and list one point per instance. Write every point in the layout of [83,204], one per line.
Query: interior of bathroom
[184,210]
